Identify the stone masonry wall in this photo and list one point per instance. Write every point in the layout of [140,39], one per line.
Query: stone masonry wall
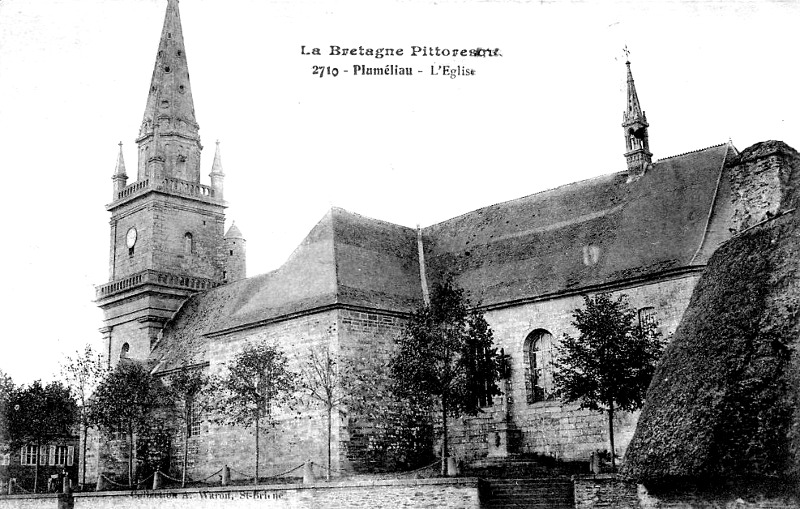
[608,491]
[364,338]
[760,178]
[173,219]
[123,261]
[134,335]
[234,253]
[300,431]
[410,494]
[550,427]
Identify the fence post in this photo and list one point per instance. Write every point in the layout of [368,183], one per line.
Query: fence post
[451,467]
[308,472]
[11,485]
[156,479]
[226,475]
[101,483]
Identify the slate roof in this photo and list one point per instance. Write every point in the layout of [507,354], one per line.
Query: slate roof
[234,232]
[345,259]
[582,234]
[591,232]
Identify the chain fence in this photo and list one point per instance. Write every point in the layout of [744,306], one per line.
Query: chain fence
[306,471]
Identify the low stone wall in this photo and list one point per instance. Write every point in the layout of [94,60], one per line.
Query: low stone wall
[605,490]
[610,491]
[409,494]
[49,501]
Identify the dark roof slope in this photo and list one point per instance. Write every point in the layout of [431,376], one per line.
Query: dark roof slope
[582,234]
[377,263]
[345,259]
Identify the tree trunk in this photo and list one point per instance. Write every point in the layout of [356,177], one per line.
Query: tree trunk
[330,409]
[444,435]
[611,435]
[130,455]
[255,480]
[36,468]
[83,453]
[188,422]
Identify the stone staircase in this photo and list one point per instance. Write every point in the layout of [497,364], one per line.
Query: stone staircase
[541,493]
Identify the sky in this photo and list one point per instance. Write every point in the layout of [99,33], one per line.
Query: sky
[74,76]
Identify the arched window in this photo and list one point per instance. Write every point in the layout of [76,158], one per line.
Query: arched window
[188,243]
[647,317]
[538,350]
[124,350]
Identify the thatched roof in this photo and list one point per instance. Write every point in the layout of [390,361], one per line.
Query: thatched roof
[724,401]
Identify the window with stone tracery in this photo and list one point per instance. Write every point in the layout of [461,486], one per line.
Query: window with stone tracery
[538,351]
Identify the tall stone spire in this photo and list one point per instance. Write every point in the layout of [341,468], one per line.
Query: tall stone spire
[217,174]
[634,123]
[120,178]
[169,142]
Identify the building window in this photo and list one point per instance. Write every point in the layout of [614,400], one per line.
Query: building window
[647,317]
[28,455]
[538,350]
[5,459]
[483,363]
[123,352]
[60,455]
[188,243]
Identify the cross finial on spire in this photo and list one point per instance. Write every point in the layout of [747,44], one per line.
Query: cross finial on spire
[627,53]
[119,170]
[120,178]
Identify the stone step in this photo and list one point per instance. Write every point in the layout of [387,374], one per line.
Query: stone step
[530,493]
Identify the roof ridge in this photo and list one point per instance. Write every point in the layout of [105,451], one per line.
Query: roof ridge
[596,177]
[334,207]
[335,254]
[692,151]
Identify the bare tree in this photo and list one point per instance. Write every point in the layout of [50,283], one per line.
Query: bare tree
[321,380]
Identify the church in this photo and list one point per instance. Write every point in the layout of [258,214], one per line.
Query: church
[178,295]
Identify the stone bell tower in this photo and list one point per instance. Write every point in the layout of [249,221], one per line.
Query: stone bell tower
[166,227]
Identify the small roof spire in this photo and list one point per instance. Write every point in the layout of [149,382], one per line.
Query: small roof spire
[234,232]
[216,168]
[120,168]
[634,110]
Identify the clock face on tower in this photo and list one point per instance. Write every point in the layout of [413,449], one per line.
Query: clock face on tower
[130,238]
